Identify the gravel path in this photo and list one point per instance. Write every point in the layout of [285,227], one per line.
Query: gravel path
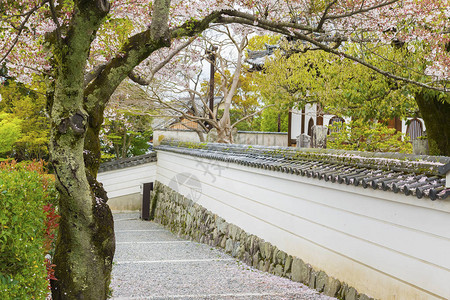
[152,263]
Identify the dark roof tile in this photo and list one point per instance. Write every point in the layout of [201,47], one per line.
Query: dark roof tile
[128,162]
[421,176]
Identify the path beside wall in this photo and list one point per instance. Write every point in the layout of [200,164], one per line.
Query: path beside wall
[335,237]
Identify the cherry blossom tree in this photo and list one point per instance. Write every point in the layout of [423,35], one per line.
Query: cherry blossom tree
[86,48]
[188,98]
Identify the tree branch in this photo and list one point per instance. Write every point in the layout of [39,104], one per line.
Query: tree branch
[251,115]
[362,10]
[88,77]
[55,19]
[322,20]
[142,81]
[366,64]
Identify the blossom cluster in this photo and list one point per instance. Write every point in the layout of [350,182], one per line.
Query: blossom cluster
[29,25]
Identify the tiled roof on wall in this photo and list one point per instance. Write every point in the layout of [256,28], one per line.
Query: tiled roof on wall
[128,162]
[417,175]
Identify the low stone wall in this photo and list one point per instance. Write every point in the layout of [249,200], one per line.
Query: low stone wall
[188,219]
[242,137]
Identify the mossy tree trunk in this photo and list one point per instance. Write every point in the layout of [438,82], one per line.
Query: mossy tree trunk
[86,244]
[435,112]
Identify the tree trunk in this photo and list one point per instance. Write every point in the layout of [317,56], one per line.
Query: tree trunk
[85,245]
[201,136]
[224,125]
[436,114]
[224,135]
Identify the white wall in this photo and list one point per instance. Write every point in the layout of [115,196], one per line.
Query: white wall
[296,123]
[262,138]
[386,245]
[127,181]
[178,135]
[246,137]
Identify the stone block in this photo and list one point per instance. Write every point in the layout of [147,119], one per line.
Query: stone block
[221,225]
[243,237]
[342,291]
[351,294]
[256,258]
[300,271]
[278,270]
[319,136]
[312,279]
[274,254]
[332,287]
[231,230]
[261,265]
[304,141]
[420,147]
[223,243]
[271,269]
[229,246]
[321,281]
[287,264]
[281,257]
[266,266]
[241,251]
[268,251]
[235,250]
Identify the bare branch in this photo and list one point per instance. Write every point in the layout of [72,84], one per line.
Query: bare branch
[359,11]
[322,20]
[142,81]
[170,56]
[55,19]
[257,22]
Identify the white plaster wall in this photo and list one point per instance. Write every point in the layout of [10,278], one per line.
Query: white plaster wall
[296,123]
[179,135]
[127,181]
[310,112]
[386,245]
[261,138]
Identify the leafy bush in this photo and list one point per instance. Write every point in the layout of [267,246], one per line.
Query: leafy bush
[27,227]
[10,132]
[368,136]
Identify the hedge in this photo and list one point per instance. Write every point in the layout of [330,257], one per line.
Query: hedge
[27,225]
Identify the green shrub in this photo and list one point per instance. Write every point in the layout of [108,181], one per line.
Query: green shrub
[24,191]
[368,136]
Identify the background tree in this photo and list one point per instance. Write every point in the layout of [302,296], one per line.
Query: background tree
[10,132]
[297,75]
[127,128]
[235,97]
[368,136]
[125,134]
[341,87]
[86,59]
[26,103]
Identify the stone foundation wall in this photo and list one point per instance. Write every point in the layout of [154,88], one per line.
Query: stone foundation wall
[188,219]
